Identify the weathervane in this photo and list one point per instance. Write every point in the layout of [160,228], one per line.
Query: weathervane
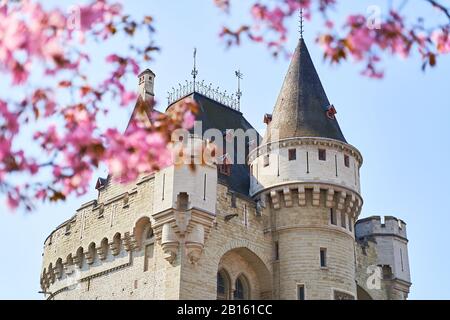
[194,70]
[239,76]
[301,23]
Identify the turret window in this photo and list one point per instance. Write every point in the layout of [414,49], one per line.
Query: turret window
[343,222]
[300,292]
[332,216]
[347,161]
[323,257]
[292,154]
[322,154]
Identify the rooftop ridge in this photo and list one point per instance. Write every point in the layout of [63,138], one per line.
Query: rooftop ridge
[190,87]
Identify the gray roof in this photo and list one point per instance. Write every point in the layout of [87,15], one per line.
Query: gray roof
[215,115]
[300,110]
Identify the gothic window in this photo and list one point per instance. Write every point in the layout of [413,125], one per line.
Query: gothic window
[347,161]
[241,291]
[323,257]
[292,154]
[322,154]
[300,292]
[223,285]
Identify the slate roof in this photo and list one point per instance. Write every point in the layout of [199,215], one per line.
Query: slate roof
[300,110]
[215,115]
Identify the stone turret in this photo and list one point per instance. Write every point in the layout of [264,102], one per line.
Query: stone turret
[306,177]
[146,84]
[389,242]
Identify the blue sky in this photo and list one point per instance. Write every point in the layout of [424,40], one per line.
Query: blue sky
[399,124]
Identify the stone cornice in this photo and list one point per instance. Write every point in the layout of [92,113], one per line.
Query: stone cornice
[297,141]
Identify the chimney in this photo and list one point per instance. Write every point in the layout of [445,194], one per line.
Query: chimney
[146,84]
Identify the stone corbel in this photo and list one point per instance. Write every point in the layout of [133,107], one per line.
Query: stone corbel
[301,196]
[316,197]
[287,197]
[275,199]
[115,248]
[101,253]
[68,267]
[341,200]
[89,257]
[169,243]
[195,243]
[129,242]
[330,198]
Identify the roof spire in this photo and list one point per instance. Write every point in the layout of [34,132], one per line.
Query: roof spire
[194,72]
[302,108]
[239,76]
[301,23]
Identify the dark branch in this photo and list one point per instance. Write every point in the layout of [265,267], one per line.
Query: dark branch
[439,6]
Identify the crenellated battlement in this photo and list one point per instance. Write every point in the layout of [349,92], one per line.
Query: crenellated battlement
[377,226]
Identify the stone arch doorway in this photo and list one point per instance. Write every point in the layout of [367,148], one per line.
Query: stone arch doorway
[242,275]
[362,294]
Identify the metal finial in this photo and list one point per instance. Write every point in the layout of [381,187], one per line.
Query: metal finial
[239,76]
[301,23]
[195,70]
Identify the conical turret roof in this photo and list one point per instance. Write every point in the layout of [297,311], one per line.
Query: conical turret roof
[301,108]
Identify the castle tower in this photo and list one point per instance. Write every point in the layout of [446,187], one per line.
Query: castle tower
[389,242]
[305,177]
[146,84]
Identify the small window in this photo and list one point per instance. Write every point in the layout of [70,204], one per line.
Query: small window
[300,292]
[343,222]
[322,154]
[292,154]
[266,160]
[347,161]
[323,258]
[350,225]
[332,217]
[277,251]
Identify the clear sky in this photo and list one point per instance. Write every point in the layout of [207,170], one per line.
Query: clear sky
[400,125]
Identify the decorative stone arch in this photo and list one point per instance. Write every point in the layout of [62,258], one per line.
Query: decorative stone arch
[142,227]
[362,294]
[217,254]
[259,282]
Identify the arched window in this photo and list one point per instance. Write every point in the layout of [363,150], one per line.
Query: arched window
[223,285]
[242,289]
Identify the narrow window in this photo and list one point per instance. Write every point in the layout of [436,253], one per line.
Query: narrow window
[323,257]
[292,154]
[307,162]
[277,251]
[300,292]
[343,222]
[401,259]
[322,154]
[204,188]
[350,224]
[335,164]
[266,160]
[347,161]
[332,216]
